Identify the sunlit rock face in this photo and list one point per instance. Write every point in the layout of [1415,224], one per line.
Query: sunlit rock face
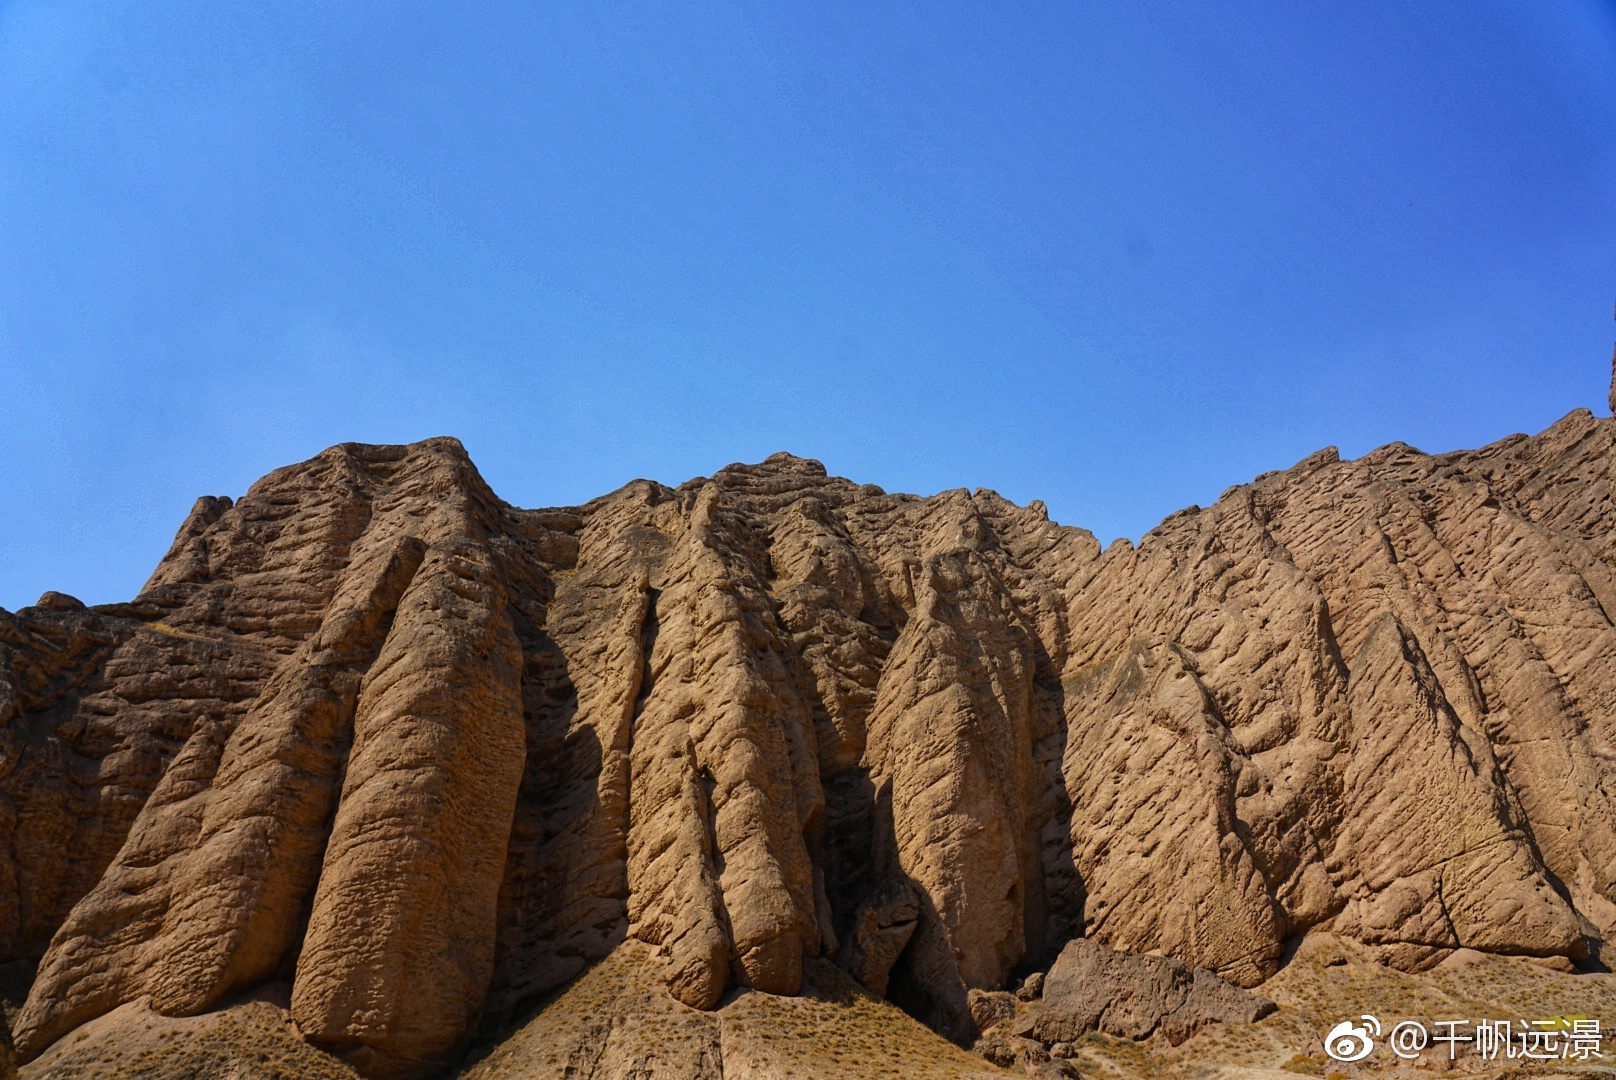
[421,758]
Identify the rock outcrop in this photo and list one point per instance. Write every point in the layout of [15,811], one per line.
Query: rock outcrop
[426,758]
[1093,988]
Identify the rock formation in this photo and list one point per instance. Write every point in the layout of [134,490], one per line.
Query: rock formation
[427,758]
[1093,988]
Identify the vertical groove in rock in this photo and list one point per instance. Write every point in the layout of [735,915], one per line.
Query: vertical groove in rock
[566,885]
[951,736]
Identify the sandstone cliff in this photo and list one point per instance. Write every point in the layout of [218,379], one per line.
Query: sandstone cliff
[425,758]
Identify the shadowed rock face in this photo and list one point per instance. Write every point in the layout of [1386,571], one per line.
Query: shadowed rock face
[428,757]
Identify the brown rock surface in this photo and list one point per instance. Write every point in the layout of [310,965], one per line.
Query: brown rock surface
[428,757]
[1093,988]
[418,842]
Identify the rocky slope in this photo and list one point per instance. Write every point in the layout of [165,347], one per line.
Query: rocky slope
[423,759]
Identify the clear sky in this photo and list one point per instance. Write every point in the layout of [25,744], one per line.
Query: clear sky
[1117,256]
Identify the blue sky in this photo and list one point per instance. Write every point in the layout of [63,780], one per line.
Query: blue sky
[1117,256]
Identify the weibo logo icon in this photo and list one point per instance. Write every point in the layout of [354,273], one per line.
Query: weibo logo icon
[1348,1043]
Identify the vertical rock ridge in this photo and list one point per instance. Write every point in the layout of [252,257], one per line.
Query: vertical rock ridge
[203,897]
[724,760]
[418,845]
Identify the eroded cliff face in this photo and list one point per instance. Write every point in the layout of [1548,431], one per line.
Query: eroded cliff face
[427,757]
